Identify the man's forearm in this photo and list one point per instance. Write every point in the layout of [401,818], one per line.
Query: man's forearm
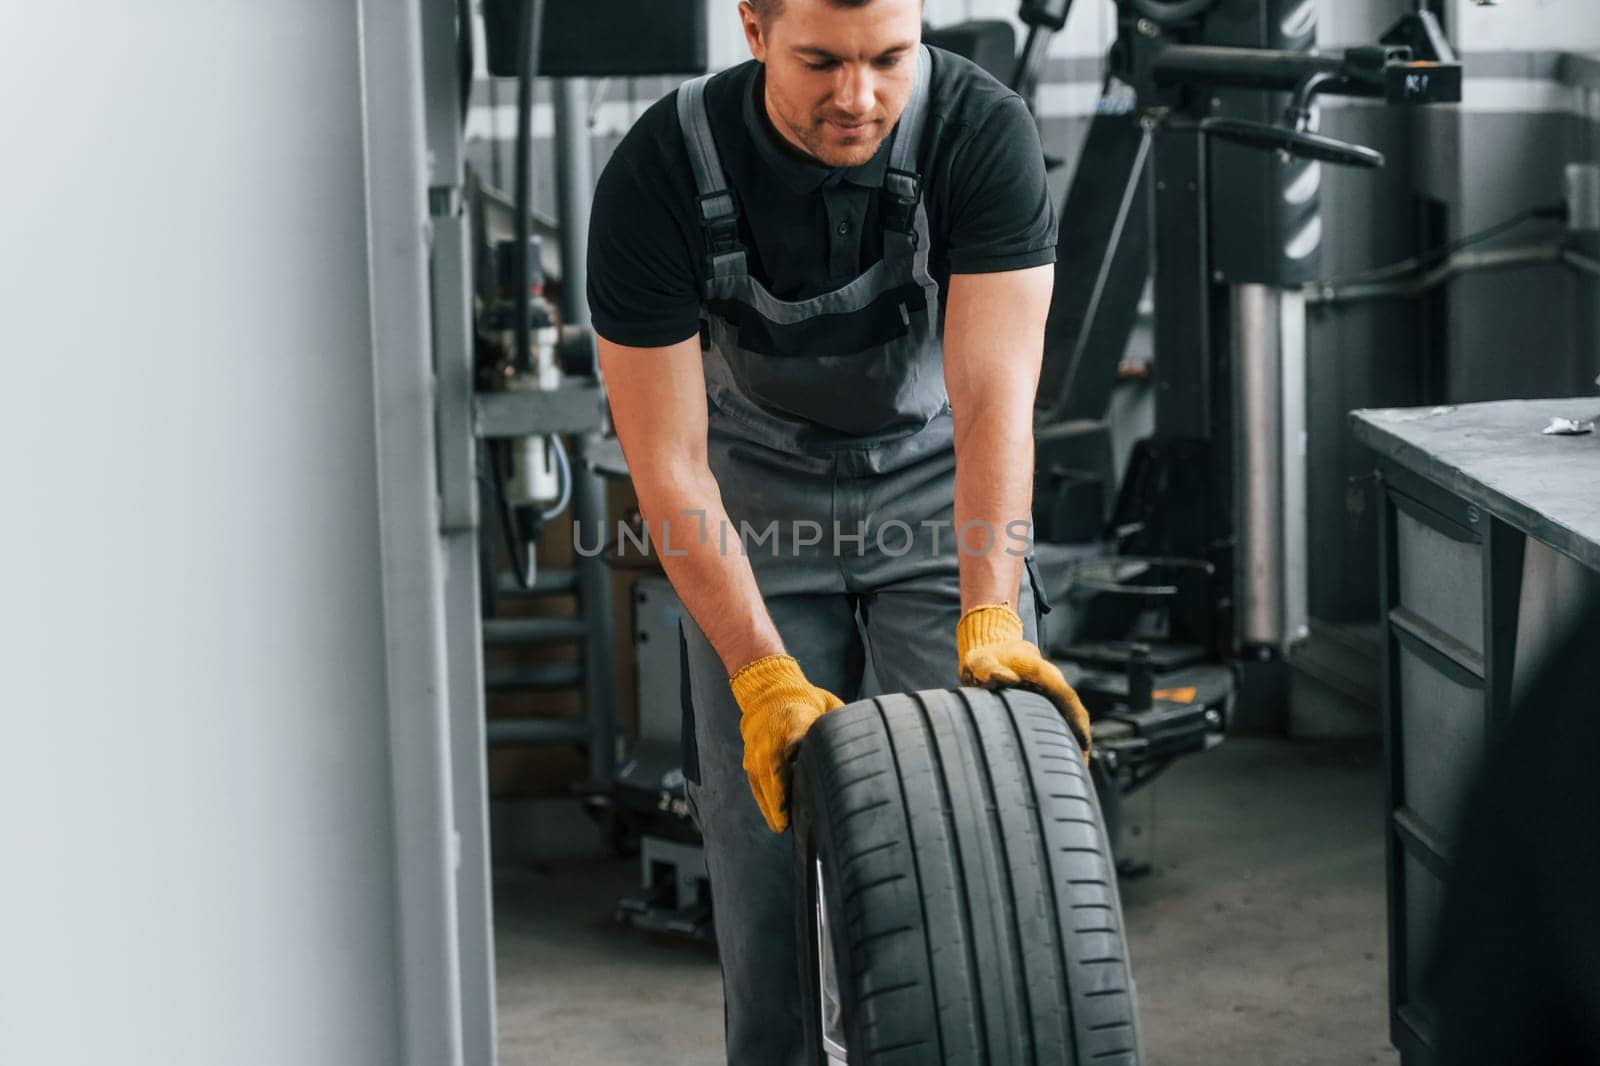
[687,521]
[993,344]
[994,497]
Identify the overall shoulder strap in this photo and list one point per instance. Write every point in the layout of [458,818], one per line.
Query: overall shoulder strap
[719,216]
[901,179]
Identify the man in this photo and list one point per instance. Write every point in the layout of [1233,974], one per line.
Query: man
[820,281]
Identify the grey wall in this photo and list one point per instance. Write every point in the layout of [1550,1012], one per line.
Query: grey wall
[1511,333]
[196,863]
[1524,25]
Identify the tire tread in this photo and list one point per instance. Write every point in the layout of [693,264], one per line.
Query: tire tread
[977,916]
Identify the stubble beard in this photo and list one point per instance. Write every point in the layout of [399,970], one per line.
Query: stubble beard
[818,143]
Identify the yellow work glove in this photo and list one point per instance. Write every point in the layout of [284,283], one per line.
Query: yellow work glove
[993,655]
[777,705]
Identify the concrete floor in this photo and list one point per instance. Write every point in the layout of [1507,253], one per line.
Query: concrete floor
[1257,939]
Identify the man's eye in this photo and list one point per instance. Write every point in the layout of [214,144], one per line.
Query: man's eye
[828,65]
[887,63]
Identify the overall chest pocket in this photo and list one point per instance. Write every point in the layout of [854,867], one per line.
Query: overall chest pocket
[888,318]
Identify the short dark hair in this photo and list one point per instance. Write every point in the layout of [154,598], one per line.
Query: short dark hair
[767,10]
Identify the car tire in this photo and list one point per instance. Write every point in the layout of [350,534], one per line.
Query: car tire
[957,899]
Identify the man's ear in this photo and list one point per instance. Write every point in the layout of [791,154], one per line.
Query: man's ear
[754,33]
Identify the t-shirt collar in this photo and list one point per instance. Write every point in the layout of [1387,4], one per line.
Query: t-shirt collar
[798,175]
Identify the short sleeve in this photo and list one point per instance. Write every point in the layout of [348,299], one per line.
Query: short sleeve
[643,287]
[1001,216]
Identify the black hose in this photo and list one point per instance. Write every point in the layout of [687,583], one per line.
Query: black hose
[466,54]
[1419,263]
[519,553]
[528,67]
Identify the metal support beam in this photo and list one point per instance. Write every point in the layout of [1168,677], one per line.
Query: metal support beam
[1269,369]
[412,561]
[451,304]
[589,514]
[574,195]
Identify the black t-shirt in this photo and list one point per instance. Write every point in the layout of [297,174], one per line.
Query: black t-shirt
[808,228]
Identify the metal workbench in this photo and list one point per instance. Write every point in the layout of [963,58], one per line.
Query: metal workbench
[1490,543]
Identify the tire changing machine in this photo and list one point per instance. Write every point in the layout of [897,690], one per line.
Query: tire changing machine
[1181,584]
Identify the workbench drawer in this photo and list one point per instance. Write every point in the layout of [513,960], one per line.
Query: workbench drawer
[1442,726]
[1440,577]
[1424,895]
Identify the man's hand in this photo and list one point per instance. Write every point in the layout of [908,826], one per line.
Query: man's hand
[777,705]
[993,655]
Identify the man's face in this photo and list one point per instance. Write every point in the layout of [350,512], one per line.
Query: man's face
[837,77]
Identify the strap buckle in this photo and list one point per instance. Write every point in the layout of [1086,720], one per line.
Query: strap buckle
[719,217]
[903,184]
[905,193]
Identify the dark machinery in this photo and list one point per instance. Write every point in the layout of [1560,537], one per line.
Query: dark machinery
[578,40]
[1185,572]
[649,795]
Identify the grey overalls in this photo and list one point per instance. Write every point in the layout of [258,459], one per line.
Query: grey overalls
[829,412]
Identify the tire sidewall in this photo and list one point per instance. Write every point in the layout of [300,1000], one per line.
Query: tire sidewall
[812,829]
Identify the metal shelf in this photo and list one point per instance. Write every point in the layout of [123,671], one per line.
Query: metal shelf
[533,630]
[543,677]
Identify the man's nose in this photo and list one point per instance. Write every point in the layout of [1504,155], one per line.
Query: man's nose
[856,91]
